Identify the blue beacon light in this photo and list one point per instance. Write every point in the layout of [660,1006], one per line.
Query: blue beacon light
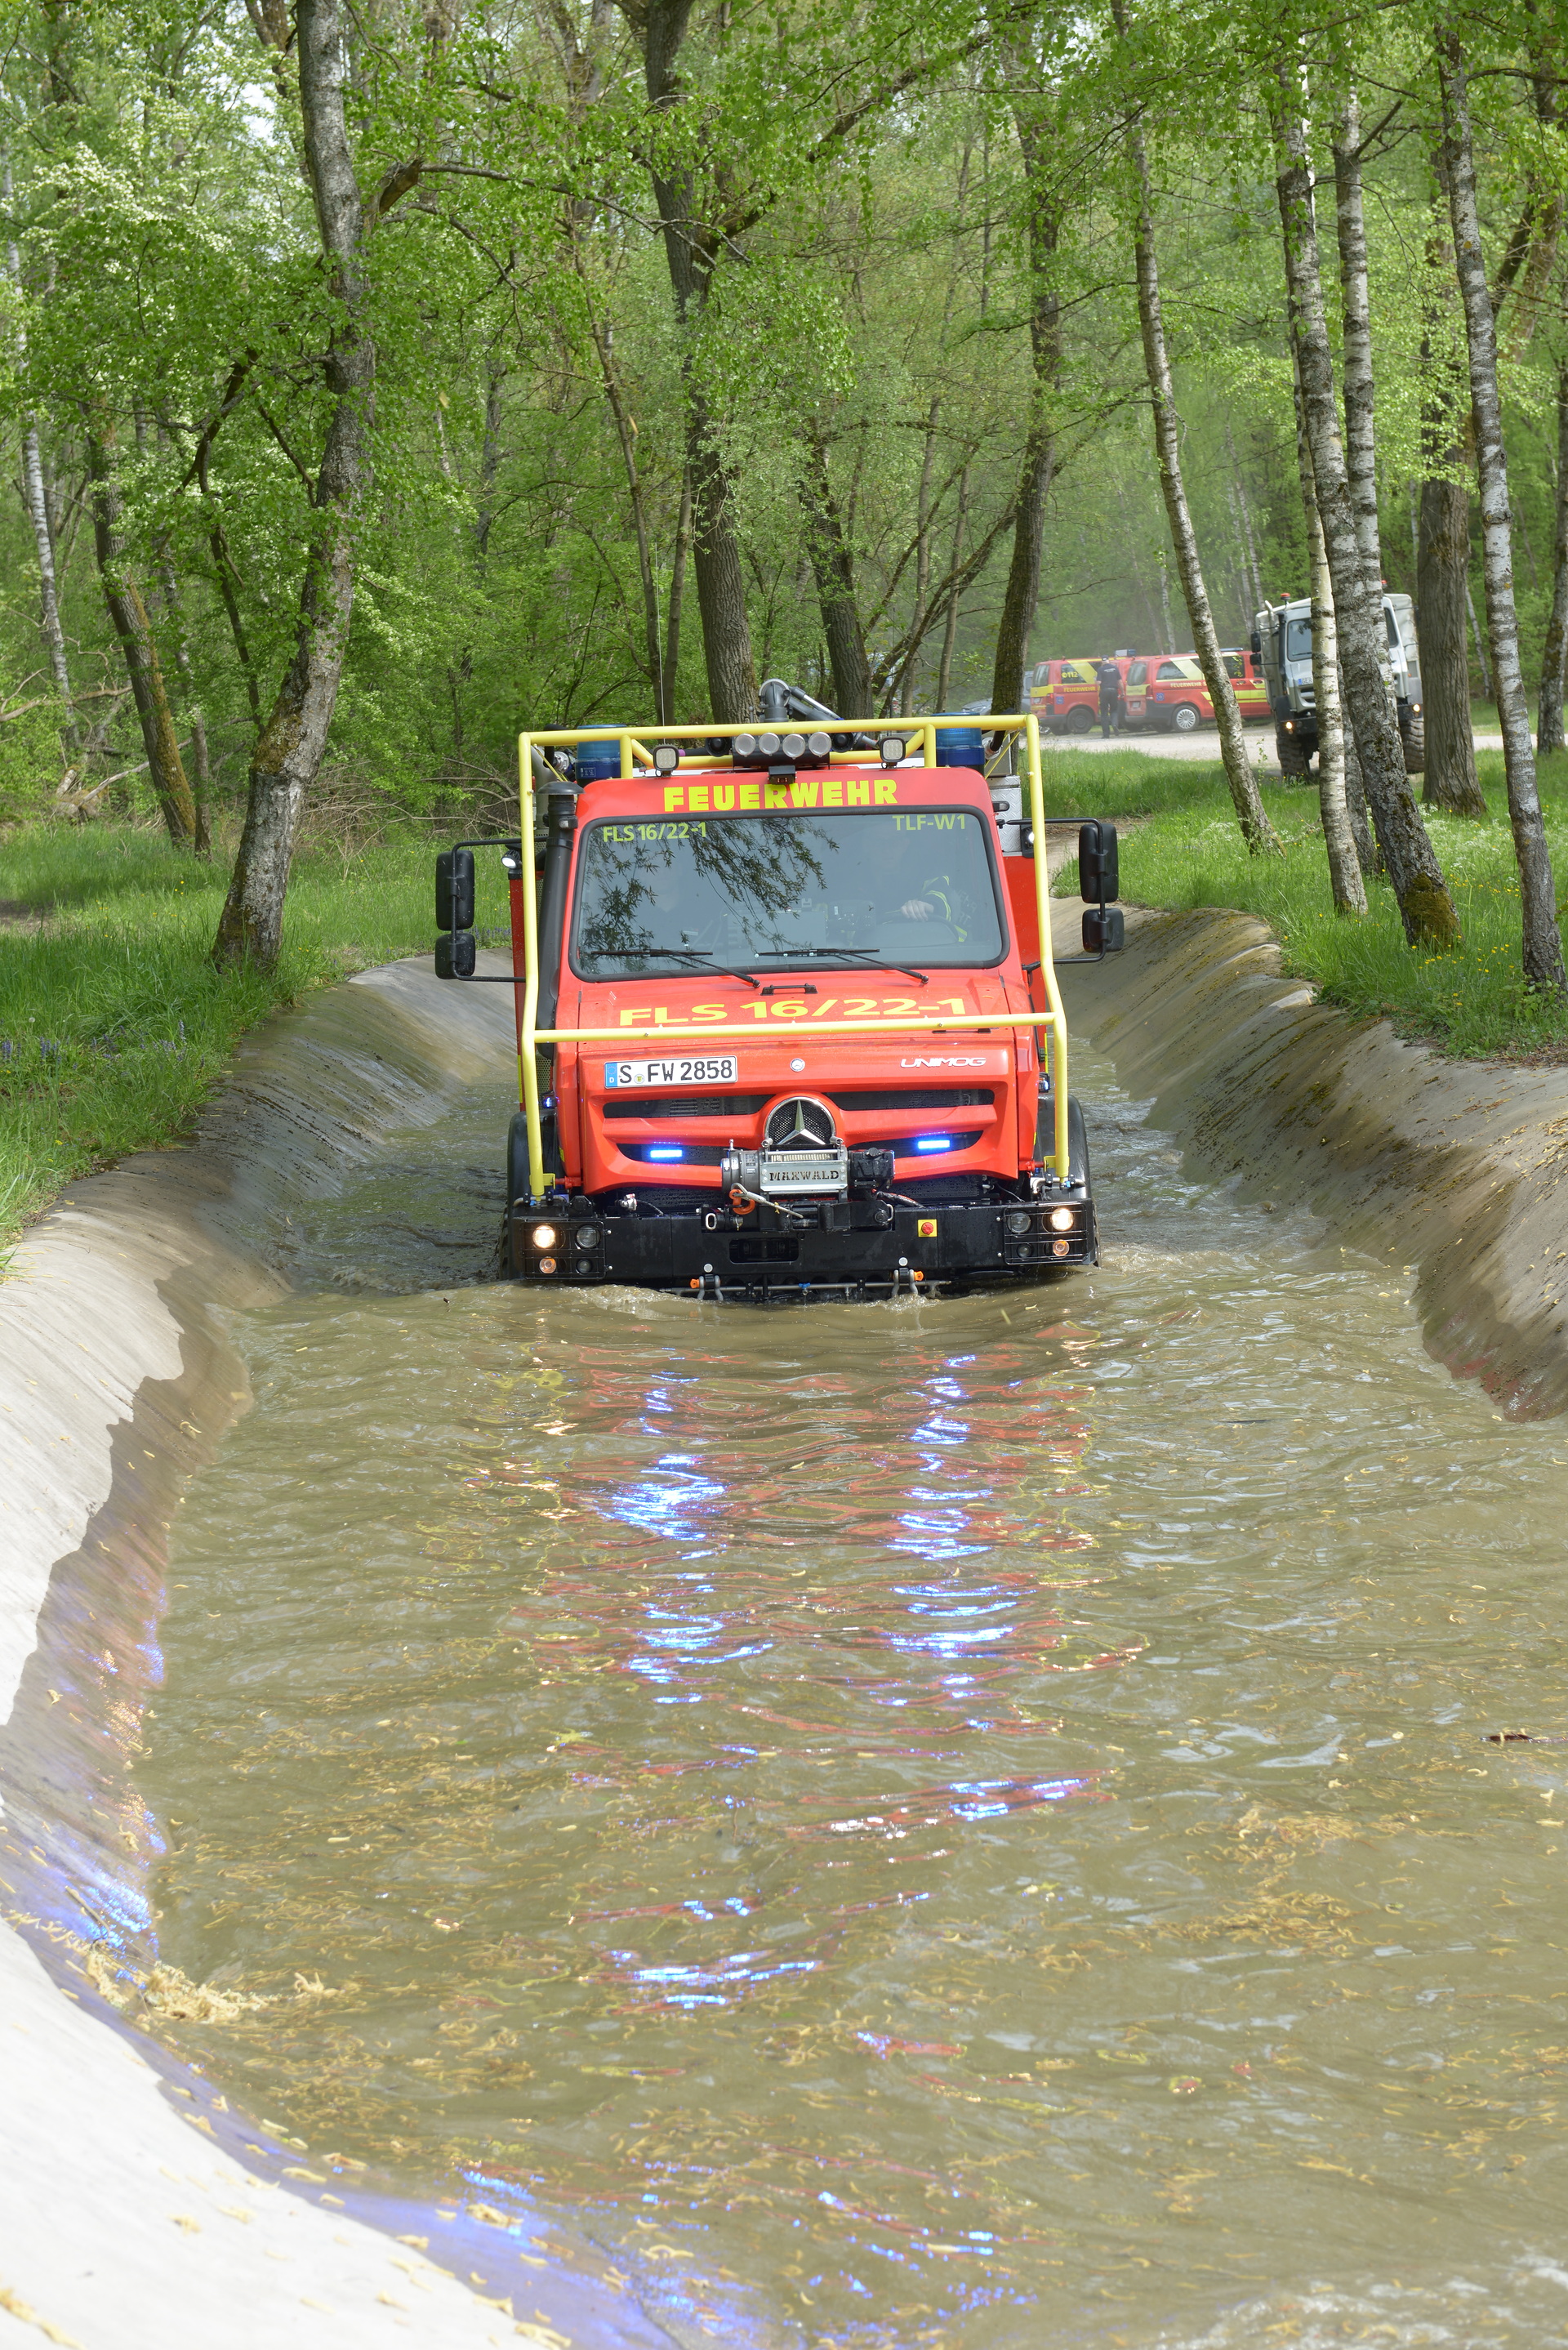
[927,1143]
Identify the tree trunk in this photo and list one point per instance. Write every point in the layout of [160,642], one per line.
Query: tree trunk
[1426,909]
[200,761]
[1541,944]
[288,751]
[489,459]
[1361,832]
[691,250]
[626,433]
[1556,648]
[1360,436]
[677,600]
[54,634]
[833,569]
[1256,830]
[1487,694]
[37,507]
[950,625]
[1255,570]
[1343,859]
[1443,564]
[922,557]
[1167,630]
[1038,154]
[128,614]
[1443,550]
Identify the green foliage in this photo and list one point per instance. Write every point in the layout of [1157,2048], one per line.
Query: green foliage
[870,288]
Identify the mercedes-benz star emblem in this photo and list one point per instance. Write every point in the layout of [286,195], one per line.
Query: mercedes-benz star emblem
[800,1124]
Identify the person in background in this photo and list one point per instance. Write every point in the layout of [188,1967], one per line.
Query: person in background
[1110,678]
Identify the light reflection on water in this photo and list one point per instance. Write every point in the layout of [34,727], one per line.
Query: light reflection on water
[973,1818]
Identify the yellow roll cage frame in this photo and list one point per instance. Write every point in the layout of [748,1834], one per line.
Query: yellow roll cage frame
[636,759]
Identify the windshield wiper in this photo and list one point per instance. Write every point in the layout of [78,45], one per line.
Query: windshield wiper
[703,955]
[846,954]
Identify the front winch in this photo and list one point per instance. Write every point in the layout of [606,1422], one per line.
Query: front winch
[801,1156]
[818,1172]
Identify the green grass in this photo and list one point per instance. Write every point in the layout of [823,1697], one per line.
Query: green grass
[1472,1004]
[1129,783]
[119,1028]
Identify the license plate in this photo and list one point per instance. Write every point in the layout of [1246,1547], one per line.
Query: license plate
[719,1069]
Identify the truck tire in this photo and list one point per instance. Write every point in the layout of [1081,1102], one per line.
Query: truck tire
[1413,735]
[517,1159]
[1294,763]
[1078,1138]
[1080,720]
[1184,718]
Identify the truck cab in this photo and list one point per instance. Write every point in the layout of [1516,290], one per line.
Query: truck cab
[1282,639]
[788,1018]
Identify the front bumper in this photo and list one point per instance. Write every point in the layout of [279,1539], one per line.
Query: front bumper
[847,1248]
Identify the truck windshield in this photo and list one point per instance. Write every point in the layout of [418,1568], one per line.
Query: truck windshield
[1298,638]
[895,886]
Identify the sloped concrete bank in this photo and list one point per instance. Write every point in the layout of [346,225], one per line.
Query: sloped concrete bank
[135,2208]
[1453,1168]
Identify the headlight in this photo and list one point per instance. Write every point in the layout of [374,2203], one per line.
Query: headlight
[1062,1219]
[546,1265]
[1017,1221]
[587,1237]
[543,1236]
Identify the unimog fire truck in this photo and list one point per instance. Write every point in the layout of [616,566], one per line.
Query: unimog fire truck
[788,1023]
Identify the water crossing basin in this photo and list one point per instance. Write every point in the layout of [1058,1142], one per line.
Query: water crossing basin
[966,1822]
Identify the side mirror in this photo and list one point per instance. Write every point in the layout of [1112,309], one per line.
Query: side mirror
[1105,930]
[455,956]
[1258,643]
[454,890]
[1098,878]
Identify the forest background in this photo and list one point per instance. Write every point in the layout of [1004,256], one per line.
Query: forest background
[848,287]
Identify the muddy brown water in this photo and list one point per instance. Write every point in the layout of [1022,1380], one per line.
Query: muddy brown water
[966,1824]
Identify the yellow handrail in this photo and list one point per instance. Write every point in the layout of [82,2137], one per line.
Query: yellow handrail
[633,749]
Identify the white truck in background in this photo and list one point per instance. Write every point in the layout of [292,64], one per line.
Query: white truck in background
[1282,638]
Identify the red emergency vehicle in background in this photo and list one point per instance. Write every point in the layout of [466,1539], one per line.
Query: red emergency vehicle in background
[1064,695]
[1166,691]
[788,1019]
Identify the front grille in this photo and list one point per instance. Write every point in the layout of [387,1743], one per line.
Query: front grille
[665,1104]
[913,1097]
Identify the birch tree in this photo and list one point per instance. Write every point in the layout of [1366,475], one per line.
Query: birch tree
[1541,943]
[1554,655]
[1251,813]
[1039,142]
[289,748]
[1426,909]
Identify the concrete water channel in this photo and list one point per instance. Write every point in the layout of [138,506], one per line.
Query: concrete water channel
[963,1823]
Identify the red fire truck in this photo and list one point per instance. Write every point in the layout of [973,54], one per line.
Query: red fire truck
[788,1021]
